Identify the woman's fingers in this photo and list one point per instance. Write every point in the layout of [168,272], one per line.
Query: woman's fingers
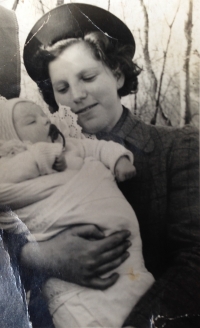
[88,231]
[107,254]
[112,241]
[112,265]
[114,253]
[74,258]
[102,283]
[107,261]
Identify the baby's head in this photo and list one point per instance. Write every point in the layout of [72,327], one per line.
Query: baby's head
[30,122]
[24,120]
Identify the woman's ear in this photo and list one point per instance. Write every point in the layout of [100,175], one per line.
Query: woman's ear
[120,78]
[120,81]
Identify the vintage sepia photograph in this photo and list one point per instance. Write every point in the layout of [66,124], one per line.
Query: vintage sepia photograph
[99,164]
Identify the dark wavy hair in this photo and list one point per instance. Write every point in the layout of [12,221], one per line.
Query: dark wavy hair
[115,56]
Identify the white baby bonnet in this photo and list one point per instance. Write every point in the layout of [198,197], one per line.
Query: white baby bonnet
[7,129]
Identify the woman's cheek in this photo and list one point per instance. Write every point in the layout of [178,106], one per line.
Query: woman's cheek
[63,100]
[58,98]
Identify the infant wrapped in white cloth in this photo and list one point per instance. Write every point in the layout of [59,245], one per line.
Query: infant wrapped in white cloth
[84,193]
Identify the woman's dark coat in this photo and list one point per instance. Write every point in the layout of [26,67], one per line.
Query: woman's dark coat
[165,197]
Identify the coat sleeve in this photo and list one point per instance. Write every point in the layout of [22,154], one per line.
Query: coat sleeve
[173,301]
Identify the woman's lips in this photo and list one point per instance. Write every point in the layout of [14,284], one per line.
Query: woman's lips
[85,109]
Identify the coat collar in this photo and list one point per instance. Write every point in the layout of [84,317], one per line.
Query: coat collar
[131,129]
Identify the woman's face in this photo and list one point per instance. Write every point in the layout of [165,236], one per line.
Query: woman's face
[88,87]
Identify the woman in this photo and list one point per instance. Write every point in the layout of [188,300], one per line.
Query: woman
[90,75]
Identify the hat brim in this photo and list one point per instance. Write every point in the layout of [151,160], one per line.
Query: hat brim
[69,21]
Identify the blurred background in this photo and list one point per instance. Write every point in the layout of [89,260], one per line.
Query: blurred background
[167,50]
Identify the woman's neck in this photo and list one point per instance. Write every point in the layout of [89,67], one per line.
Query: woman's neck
[119,111]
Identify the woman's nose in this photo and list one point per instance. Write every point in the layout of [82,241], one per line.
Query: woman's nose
[78,93]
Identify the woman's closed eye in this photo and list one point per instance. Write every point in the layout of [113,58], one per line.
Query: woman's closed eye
[62,88]
[89,78]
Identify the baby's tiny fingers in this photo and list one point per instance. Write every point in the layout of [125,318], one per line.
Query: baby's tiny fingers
[134,171]
[130,175]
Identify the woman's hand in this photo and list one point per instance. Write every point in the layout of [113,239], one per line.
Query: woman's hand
[80,255]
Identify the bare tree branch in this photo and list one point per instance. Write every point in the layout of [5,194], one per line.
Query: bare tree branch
[135,103]
[154,118]
[164,116]
[139,32]
[169,83]
[186,67]
[146,50]
[108,5]
[15,4]
[42,6]
[172,23]
[60,2]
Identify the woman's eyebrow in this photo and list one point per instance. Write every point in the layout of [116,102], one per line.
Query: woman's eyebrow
[88,70]
[57,82]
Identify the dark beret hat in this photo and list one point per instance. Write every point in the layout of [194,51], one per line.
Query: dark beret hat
[71,20]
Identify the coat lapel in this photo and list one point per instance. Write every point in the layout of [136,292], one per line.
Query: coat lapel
[136,132]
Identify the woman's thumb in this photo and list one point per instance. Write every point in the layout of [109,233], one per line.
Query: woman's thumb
[88,231]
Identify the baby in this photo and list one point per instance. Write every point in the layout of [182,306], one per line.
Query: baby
[77,186]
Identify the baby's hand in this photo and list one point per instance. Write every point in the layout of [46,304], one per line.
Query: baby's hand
[60,163]
[124,170]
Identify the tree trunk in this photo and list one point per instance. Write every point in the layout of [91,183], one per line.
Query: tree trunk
[60,2]
[186,67]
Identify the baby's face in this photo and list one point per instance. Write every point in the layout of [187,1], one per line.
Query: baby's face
[31,123]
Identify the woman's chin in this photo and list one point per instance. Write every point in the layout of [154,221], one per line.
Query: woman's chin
[89,127]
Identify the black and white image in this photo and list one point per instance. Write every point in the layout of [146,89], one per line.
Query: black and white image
[99,164]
